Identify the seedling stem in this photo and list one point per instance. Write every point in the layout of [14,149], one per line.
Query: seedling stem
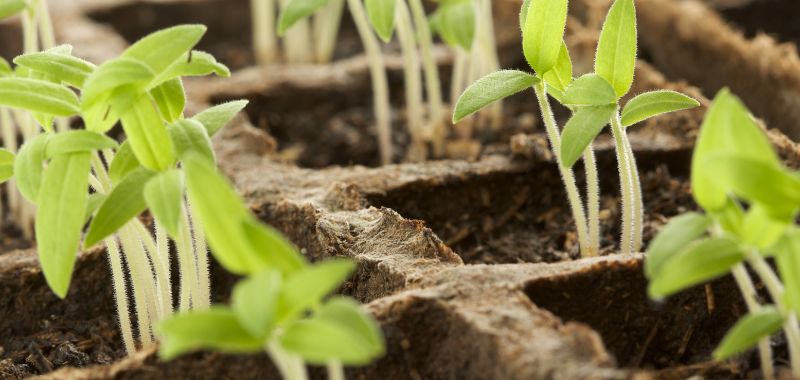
[748,290]
[626,184]
[413,83]
[265,41]
[433,88]
[326,28]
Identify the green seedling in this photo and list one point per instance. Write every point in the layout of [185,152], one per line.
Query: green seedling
[734,165]
[281,306]
[306,41]
[37,34]
[468,28]
[594,101]
[142,89]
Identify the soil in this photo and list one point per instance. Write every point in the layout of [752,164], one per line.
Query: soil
[471,265]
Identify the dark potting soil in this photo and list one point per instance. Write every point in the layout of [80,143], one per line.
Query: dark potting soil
[777,18]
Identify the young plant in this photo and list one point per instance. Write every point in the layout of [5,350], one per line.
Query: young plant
[143,90]
[751,203]
[280,306]
[305,42]
[594,100]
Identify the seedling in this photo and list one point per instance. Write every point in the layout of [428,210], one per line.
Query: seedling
[280,307]
[143,90]
[735,166]
[594,100]
[37,33]
[306,41]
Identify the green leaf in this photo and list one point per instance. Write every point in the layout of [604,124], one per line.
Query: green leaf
[787,259]
[93,202]
[277,251]
[221,213]
[748,331]
[306,288]
[543,32]
[78,141]
[6,165]
[190,136]
[616,50]
[727,128]
[216,117]
[5,68]
[170,98]
[148,135]
[560,76]
[29,167]
[455,23]
[59,217]
[124,202]
[9,8]
[340,331]
[255,302]
[194,63]
[162,49]
[38,96]
[581,129]
[123,163]
[649,104]
[730,217]
[491,88]
[760,229]
[701,262]
[672,238]
[296,10]
[590,90]
[523,12]
[216,328]
[381,16]
[111,75]
[66,68]
[773,187]
[163,195]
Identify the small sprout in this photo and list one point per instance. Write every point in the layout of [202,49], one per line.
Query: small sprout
[734,164]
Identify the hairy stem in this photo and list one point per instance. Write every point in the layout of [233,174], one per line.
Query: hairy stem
[9,135]
[776,290]
[459,74]
[290,366]
[488,55]
[161,265]
[265,42]
[433,88]
[567,175]
[30,36]
[749,293]
[141,281]
[380,82]
[187,263]
[626,184]
[592,201]
[326,28]
[297,45]
[202,296]
[413,82]
[120,294]
[637,204]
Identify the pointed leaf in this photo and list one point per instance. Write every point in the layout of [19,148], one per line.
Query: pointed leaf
[523,12]
[649,104]
[296,10]
[673,238]
[255,302]
[491,88]
[190,136]
[161,49]
[348,313]
[216,328]
[93,202]
[590,90]
[560,76]
[216,117]
[78,141]
[277,251]
[148,135]
[110,75]
[124,162]
[306,288]
[748,331]
[543,32]
[170,98]
[38,96]
[616,49]
[760,229]
[455,23]
[66,68]
[163,195]
[581,129]
[29,166]
[125,202]
[194,63]
[381,16]
[59,217]
[701,262]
